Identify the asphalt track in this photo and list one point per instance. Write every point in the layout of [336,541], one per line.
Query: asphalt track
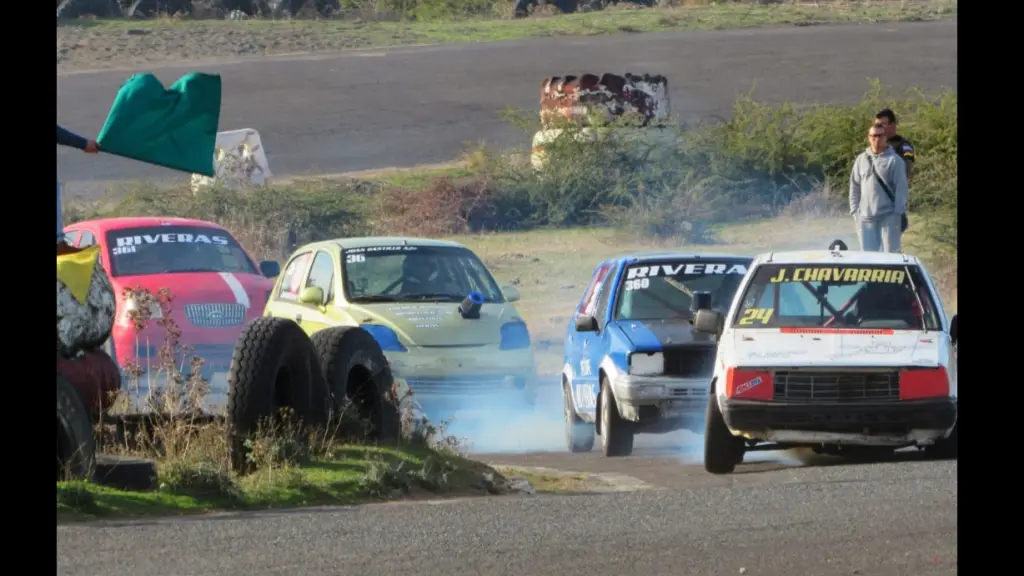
[352,111]
[774,516]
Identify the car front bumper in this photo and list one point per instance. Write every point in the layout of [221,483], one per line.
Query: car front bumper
[661,403]
[440,378]
[866,423]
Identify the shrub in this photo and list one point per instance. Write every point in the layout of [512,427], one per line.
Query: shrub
[762,160]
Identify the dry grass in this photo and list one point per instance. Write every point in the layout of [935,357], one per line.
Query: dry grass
[288,464]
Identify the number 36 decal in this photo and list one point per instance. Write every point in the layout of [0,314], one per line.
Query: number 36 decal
[756,315]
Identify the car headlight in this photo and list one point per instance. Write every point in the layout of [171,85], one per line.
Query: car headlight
[514,336]
[386,337]
[646,363]
[133,309]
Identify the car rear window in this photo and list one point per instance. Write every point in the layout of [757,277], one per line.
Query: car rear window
[175,249]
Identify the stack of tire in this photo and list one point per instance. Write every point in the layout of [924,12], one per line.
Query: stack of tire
[85,374]
[277,366]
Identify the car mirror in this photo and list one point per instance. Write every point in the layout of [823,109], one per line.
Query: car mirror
[586,323]
[312,295]
[510,292]
[952,329]
[270,268]
[708,322]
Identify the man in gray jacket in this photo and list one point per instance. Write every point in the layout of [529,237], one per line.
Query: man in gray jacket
[878,194]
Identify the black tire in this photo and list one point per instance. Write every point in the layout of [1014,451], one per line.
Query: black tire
[616,433]
[579,435]
[722,450]
[945,449]
[274,366]
[358,374]
[76,445]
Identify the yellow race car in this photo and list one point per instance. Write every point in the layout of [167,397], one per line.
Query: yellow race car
[449,332]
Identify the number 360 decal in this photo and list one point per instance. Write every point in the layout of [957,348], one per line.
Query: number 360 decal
[756,315]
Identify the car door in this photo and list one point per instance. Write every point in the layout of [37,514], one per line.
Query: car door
[586,359]
[313,317]
[284,302]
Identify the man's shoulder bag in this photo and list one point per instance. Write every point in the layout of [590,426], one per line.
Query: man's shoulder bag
[904,221]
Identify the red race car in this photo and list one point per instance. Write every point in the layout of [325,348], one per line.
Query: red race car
[215,285]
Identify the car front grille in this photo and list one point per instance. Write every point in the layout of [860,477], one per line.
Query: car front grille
[456,385]
[690,362]
[215,315]
[837,387]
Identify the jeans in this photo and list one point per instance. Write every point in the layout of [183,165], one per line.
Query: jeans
[880,234]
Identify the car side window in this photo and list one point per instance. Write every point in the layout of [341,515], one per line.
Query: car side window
[291,281]
[321,275]
[589,301]
[87,239]
[71,238]
[603,295]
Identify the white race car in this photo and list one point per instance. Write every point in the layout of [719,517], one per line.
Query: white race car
[845,352]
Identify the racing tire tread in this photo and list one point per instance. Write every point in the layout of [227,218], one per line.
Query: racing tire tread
[579,434]
[341,349]
[76,445]
[617,434]
[722,450]
[266,347]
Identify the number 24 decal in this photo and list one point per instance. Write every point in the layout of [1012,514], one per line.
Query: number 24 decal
[758,315]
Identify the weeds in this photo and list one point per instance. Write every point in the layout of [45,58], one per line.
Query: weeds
[169,420]
[668,182]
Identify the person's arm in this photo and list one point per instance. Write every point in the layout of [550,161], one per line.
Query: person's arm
[902,185]
[855,188]
[907,153]
[69,138]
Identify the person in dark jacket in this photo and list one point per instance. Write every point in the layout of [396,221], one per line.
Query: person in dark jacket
[68,138]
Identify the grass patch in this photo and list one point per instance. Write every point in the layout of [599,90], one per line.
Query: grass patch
[287,464]
[771,178]
[93,42]
[354,474]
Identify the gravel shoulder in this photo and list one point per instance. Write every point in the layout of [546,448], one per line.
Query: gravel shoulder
[95,44]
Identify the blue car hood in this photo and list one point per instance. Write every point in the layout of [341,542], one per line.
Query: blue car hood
[655,335]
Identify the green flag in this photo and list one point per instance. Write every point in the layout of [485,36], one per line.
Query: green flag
[174,127]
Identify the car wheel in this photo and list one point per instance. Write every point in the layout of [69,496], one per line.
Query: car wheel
[76,446]
[579,435]
[616,433]
[945,448]
[722,450]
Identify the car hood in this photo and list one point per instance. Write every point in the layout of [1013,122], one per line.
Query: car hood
[655,335]
[767,347]
[438,324]
[250,290]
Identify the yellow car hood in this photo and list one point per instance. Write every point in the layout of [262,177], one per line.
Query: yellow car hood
[438,324]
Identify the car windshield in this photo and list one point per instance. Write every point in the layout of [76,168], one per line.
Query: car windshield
[175,249]
[416,274]
[837,296]
[664,290]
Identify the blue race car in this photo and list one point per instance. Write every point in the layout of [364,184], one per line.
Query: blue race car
[633,362]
